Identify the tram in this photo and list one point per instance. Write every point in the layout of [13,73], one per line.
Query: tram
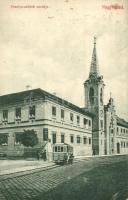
[62,153]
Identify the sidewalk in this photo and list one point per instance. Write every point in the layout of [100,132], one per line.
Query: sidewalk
[13,166]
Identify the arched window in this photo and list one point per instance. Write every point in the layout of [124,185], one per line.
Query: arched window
[91,95]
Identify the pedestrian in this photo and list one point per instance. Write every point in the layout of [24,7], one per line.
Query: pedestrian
[71,158]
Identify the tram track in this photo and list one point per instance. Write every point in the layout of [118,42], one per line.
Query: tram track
[26,186]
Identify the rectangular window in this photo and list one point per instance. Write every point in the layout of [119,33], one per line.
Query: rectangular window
[54,138]
[85,121]
[45,134]
[121,144]
[78,119]
[18,113]
[32,111]
[3,139]
[71,117]
[89,121]
[58,148]
[18,138]
[84,140]
[78,139]
[53,110]
[55,149]
[90,141]
[72,139]
[62,114]
[62,149]
[5,115]
[117,129]
[62,138]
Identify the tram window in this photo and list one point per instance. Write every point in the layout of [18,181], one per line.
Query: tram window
[61,149]
[55,149]
[58,148]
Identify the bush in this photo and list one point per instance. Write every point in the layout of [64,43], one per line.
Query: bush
[29,138]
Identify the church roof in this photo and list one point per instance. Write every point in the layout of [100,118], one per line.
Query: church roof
[122,122]
[36,94]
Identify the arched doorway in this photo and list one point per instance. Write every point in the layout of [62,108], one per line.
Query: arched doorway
[118,148]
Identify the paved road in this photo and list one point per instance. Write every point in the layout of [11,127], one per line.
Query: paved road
[39,184]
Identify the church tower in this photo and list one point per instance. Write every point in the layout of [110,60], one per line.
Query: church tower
[94,103]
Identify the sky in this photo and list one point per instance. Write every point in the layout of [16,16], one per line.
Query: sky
[50,45]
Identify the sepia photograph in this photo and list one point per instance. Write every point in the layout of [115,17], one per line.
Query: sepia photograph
[64,100]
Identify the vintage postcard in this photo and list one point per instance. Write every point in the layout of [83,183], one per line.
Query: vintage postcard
[64,100]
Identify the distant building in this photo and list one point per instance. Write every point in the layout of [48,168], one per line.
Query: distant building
[93,130]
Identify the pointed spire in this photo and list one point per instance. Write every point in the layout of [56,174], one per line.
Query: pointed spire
[94,70]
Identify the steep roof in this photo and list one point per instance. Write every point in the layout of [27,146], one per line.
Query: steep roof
[122,122]
[38,93]
[94,69]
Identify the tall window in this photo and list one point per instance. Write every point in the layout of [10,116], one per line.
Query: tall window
[45,134]
[5,115]
[62,138]
[71,138]
[71,117]
[85,121]
[101,124]
[78,119]
[91,95]
[18,113]
[78,139]
[53,138]
[101,96]
[62,114]
[32,111]
[84,140]
[53,110]
[89,121]
[90,141]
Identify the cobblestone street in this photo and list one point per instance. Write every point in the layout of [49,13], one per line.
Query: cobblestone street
[38,183]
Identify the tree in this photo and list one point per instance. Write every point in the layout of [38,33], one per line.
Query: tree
[29,138]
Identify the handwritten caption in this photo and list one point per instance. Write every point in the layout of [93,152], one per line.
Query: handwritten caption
[113,7]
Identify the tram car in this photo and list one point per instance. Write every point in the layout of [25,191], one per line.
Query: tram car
[62,153]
